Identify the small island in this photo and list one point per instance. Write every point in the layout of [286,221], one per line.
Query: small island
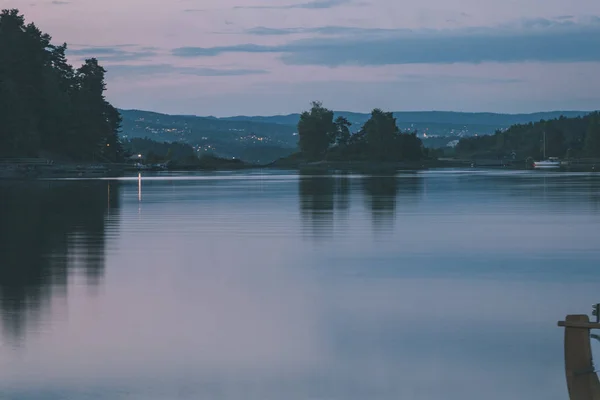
[328,143]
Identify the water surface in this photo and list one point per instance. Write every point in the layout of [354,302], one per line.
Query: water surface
[260,285]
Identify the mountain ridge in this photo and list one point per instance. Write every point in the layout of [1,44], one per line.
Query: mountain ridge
[404,117]
[452,117]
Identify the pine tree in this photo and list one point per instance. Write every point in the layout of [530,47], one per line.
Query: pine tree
[47,105]
[592,138]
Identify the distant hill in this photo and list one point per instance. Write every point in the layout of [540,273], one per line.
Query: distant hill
[434,124]
[265,138]
[428,117]
[563,138]
[254,141]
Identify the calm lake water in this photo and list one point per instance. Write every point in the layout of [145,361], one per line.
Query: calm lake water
[429,285]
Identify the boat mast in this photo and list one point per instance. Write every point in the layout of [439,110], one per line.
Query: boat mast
[544,145]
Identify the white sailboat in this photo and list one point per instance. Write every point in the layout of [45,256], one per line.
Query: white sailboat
[550,162]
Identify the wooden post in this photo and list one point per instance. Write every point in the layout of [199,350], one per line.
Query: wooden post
[582,381]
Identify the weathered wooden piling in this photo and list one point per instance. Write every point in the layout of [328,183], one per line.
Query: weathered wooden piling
[582,380]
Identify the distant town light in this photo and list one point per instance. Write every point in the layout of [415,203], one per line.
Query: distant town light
[139,156]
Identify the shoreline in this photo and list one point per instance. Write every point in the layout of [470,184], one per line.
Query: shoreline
[32,172]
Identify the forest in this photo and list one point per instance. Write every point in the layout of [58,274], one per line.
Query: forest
[564,138]
[49,108]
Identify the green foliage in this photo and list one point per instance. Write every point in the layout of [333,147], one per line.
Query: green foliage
[156,152]
[565,137]
[592,137]
[381,133]
[321,138]
[46,104]
[316,131]
[409,147]
[342,131]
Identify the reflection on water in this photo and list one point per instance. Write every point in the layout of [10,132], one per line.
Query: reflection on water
[317,202]
[49,231]
[323,196]
[342,194]
[437,284]
[382,194]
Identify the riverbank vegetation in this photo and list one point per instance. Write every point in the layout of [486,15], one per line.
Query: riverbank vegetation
[155,152]
[565,138]
[48,106]
[176,156]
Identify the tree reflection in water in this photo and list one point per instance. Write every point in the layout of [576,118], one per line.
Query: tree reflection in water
[48,231]
[323,195]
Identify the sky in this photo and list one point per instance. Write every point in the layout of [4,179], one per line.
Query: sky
[265,57]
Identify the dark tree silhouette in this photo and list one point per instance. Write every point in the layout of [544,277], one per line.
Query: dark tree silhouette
[47,105]
[381,132]
[378,140]
[342,131]
[316,131]
[565,137]
[385,142]
[592,137]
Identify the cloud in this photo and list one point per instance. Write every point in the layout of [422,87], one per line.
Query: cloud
[322,30]
[261,30]
[128,70]
[215,51]
[564,17]
[455,79]
[315,4]
[114,53]
[538,40]
[60,3]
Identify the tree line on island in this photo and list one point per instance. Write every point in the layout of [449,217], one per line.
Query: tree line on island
[321,138]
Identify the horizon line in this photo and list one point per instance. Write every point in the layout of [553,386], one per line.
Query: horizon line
[361,112]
